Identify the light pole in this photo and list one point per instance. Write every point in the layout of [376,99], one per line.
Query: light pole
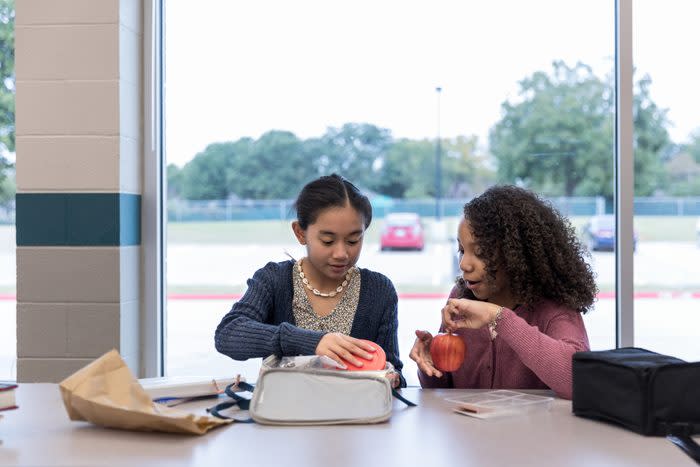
[438,162]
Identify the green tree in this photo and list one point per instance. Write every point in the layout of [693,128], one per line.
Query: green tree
[8,187]
[279,153]
[547,139]
[205,176]
[683,174]
[174,176]
[693,146]
[408,169]
[557,138]
[683,167]
[355,150]
[7,92]
[364,153]
[650,141]
[465,173]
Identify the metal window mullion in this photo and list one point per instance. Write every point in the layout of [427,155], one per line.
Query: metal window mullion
[624,176]
[153,270]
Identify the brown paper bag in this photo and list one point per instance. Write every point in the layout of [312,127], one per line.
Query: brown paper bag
[106,393]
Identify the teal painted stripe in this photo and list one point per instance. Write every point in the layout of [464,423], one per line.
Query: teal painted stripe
[78,219]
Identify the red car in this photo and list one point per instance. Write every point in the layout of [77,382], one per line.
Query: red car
[402,230]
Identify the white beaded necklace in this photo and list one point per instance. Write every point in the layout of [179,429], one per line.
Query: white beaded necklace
[317,292]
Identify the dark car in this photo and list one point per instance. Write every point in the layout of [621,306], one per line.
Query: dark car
[402,230]
[599,233]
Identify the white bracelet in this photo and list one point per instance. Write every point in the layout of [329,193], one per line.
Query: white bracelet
[492,324]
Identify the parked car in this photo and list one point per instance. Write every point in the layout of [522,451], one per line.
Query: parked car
[599,233]
[402,230]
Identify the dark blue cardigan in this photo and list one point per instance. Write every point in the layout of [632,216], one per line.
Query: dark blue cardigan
[261,323]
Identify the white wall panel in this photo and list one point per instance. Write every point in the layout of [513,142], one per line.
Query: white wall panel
[79,52]
[76,163]
[65,274]
[67,108]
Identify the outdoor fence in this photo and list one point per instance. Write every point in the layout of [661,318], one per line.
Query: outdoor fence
[180,210]
[233,210]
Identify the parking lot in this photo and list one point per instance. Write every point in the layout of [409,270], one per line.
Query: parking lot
[657,265]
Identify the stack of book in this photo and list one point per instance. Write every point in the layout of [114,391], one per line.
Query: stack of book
[175,390]
[7,396]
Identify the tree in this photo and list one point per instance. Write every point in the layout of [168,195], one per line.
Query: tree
[354,151]
[558,137]
[650,140]
[693,145]
[362,152]
[464,171]
[684,175]
[683,167]
[175,183]
[205,176]
[408,169]
[7,92]
[275,167]
[548,138]
[405,170]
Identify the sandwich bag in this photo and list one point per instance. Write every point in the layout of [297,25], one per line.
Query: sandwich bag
[646,392]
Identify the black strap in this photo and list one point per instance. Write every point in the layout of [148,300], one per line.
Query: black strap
[398,395]
[680,435]
[687,445]
[236,400]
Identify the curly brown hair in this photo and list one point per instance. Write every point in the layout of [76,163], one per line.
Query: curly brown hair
[537,247]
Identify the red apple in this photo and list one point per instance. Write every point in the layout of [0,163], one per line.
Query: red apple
[377,363]
[448,351]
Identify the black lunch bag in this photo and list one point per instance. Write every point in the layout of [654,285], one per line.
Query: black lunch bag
[646,392]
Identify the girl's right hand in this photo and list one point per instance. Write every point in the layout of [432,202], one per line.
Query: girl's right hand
[342,349]
[420,353]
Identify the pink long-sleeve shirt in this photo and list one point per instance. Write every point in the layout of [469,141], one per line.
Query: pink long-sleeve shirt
[532,350]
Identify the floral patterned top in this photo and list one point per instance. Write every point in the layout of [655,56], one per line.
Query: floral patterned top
[340,319]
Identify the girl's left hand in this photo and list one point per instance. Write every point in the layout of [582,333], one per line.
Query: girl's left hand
[462,313]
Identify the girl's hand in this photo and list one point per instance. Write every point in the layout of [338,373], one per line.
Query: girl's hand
[342,348]
[462,313]
[420,353]
[394,379]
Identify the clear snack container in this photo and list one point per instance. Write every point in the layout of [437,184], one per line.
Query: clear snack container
[499,403]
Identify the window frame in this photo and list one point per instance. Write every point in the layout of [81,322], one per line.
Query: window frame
[152,324]
[624,176]
[153,232]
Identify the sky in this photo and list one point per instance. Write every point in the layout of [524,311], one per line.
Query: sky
[236,69]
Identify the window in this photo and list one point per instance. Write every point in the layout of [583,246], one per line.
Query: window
[8,271]
[247,90]
[667,191]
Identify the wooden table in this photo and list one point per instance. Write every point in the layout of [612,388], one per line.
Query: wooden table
[40,433]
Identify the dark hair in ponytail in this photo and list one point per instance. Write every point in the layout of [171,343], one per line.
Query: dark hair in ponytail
[326,192]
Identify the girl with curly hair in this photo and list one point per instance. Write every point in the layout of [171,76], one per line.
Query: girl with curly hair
[518,304]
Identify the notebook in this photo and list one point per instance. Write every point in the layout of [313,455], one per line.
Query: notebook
[7,396]
[167,388]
